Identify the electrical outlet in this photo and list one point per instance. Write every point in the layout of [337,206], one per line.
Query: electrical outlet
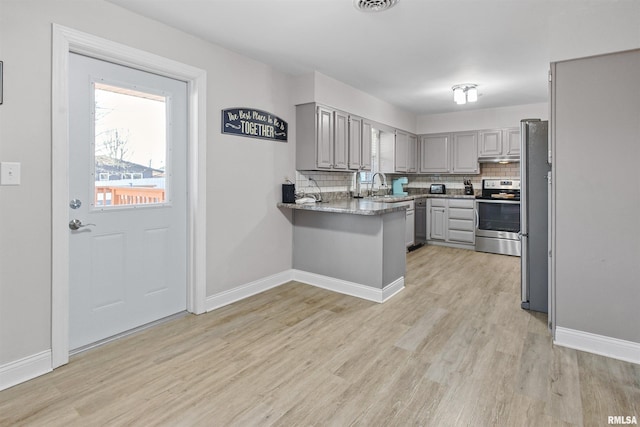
[9,173]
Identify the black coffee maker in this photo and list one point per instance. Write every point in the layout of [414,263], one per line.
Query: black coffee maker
[468,187]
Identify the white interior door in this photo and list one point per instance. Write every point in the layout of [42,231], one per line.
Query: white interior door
[128,199]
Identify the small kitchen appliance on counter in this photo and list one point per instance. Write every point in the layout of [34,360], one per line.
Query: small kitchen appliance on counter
[288,193]
[437,189]
[468,187]
[397,186]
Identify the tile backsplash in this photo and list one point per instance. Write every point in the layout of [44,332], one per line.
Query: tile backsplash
[338,184]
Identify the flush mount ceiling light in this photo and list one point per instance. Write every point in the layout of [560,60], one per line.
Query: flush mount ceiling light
[374,5]
[465,93]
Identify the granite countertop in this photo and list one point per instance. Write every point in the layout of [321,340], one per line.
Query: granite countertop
[423,196]
[377,205]
[349,206]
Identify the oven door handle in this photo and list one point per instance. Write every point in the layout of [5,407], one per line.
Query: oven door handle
[504,201]
[475,211]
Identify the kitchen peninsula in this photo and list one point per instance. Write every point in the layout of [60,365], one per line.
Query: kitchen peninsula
[352,246]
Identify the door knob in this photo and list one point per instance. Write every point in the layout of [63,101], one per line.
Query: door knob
[76,224]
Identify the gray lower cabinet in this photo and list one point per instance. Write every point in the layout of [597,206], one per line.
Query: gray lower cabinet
[451,222]
[455,153]
[438,223]
[409,231]
[329,139]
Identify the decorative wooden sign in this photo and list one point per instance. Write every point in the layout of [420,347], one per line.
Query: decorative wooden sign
[254,124]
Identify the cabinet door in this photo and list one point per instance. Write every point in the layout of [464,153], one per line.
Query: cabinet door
[465,153]
[355,142]
[341,141]
[412,153]
[434,153]
[366,145]
[512,141]
[409,236]
[490,142]
[324,138]
[401,151]
[438,223]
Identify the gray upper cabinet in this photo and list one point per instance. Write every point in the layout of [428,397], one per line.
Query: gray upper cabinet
[325,134]
[490,143]
[434,153]
[341,140]
[499,142]
[355,143]
[367,126]
[359,143]
[511,141]
[329,139]
[398,152]
[401,151]
[449,153]
[464,147]
[412,153]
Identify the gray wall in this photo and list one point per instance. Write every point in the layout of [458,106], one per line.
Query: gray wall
[242,244]
[597,153]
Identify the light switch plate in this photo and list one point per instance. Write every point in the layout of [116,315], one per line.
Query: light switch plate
[9,173]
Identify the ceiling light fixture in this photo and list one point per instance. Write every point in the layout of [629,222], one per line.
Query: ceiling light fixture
[465,93]
[374,5]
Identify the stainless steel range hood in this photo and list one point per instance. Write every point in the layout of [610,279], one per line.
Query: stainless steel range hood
[500,159]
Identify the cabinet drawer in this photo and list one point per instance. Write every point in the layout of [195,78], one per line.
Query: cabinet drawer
[461,225]
[457,213]
[461,236]
[441,203]
[462,203]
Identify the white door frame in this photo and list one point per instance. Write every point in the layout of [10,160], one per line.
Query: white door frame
[67,40]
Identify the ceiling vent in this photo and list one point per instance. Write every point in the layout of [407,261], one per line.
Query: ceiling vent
[374,5]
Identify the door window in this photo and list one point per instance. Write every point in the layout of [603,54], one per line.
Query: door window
[130,147]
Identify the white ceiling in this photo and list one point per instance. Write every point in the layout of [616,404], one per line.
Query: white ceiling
[410,55]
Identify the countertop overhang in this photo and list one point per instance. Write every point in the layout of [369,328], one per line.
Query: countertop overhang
[349,206]
[378,205]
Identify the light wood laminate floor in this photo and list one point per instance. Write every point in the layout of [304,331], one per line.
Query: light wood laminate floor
[452,349]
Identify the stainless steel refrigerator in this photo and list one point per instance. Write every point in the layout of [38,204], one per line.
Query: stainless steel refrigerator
[535,175]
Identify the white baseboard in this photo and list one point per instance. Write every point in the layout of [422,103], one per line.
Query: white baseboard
[342,286]
[350,288]
[628,351]
[25,369]
[245,291]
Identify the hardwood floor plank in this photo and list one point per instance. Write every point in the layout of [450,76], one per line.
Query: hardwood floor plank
[454,348]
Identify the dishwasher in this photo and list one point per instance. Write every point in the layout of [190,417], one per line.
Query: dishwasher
[420,222]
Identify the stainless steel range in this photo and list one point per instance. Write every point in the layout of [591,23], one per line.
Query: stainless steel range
[498,217]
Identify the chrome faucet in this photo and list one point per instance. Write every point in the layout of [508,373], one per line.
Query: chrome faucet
[373,178]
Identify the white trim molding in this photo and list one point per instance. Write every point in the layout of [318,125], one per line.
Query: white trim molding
[350,288]
[330,283]
[66,40]
[25,369]
[615,348]
[245,291]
